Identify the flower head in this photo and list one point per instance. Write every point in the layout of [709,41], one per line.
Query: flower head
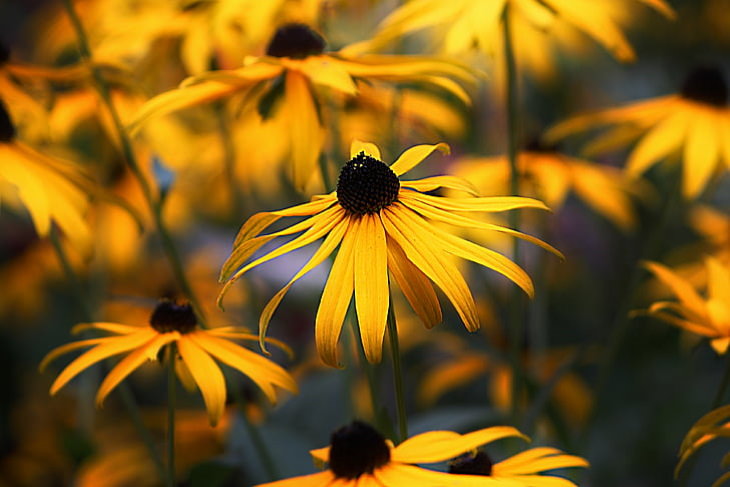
[360,456]
[695,121]
[169,323]
[383,225]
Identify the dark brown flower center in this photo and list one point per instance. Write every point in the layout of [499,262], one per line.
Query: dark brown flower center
[366,185]
[477,463]
[707,85]
[295,41]
[357,449]
[169,316]
[7,129]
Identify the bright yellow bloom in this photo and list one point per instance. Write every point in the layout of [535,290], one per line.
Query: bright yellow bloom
[281,86]
[468,24]
[173,323]
[706,317]
[53,191]
[359,456]
[711,426]
[383,224]
[695,121]
[549,175]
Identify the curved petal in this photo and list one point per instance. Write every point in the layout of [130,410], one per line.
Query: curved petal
[661,140]
[304,127]
[410,158]
[64,349]
[681,288]
[537,460]
[358,146]
[398,475]
[487,204]
[451,182]
[207,375]
[117,328]
[319,479]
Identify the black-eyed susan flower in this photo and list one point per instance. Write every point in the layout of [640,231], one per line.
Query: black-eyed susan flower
[174,323]
[696,121]
[360,456]
[711,426]
[550,176]
[467,24]
[53,191]
[281,86]
[383,226]
[708,317]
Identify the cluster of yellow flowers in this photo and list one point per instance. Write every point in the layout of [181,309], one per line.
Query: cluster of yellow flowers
[178,118]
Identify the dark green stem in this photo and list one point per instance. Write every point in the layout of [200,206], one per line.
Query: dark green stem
[397,374]
[513,127]
[171,352]
[267,459]
[723,386]
[154,203]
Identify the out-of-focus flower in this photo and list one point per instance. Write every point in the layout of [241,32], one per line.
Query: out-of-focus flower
[467,24]
[53,191]
[705,317]
[281,86]
[696,121]
[360,456]
[711,426]
[383,224]
[173,323]
[549,176]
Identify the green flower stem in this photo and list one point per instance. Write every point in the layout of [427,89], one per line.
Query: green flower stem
[267,459]
[513,126]
[397,374]
[717,402]
[229,160]
[171,352]
[87,315]
[154,202]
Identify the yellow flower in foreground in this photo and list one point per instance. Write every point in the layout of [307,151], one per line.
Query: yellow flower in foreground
[711,426]
[173,323]
[706,317]
[477,23]
[281,86]
[359,456]
[50,189]
[697,121]
[383,224]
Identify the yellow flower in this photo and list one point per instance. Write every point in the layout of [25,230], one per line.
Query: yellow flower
[711,426]
[550,175]
[468,24]
[51,190]
[281,86]
[696,120]
[706,317]
[383,224]
[173,323]
[359,456]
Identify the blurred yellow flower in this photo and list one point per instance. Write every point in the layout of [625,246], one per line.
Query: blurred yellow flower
[711,426]
[173,323]
[281,85]
[697,121]
[705,317]
[53,191]
[383,224]
[359,456]
[549,176]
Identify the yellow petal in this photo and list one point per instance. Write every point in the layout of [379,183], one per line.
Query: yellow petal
[700,152]
[304,127]
[69,347]
[488,204]
[207,375]
[336,298]
[451,182]
[447,377]
[531,462]
[110,327]
[604,193]
[320,479]
[410,158]
[358,146]
[325,71]
[718,281]
[396,474]
[681,288]
[660,141]
[372,295]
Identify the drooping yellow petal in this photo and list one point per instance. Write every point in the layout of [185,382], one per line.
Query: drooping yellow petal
[488,204]
[330,243]
[69,347]
[538,481]
[415,286]
[661,140]
[662,7]
[410,158]
[372,295]
[325,71]
[437,446]
[336,298]
[131,362]
[110,347]
[450,376]
[603,194]
[718,281]
[451,182]
[694,327]
[681,288]
[396,475]
[531,462]
[304,127]
[207,375]
[369,149]
[700,152]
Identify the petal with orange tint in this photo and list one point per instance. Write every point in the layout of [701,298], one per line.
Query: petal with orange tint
[207,375]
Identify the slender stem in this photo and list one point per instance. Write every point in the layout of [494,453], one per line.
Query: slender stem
[229,160]
[513,127]
[171,352]
[154,202]
[723,386]
[397,374]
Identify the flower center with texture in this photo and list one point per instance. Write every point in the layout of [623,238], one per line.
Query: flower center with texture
[296,41]
[7,129]
[169,316]
[477,463]
[357,449]
[366,185]
[706,85]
